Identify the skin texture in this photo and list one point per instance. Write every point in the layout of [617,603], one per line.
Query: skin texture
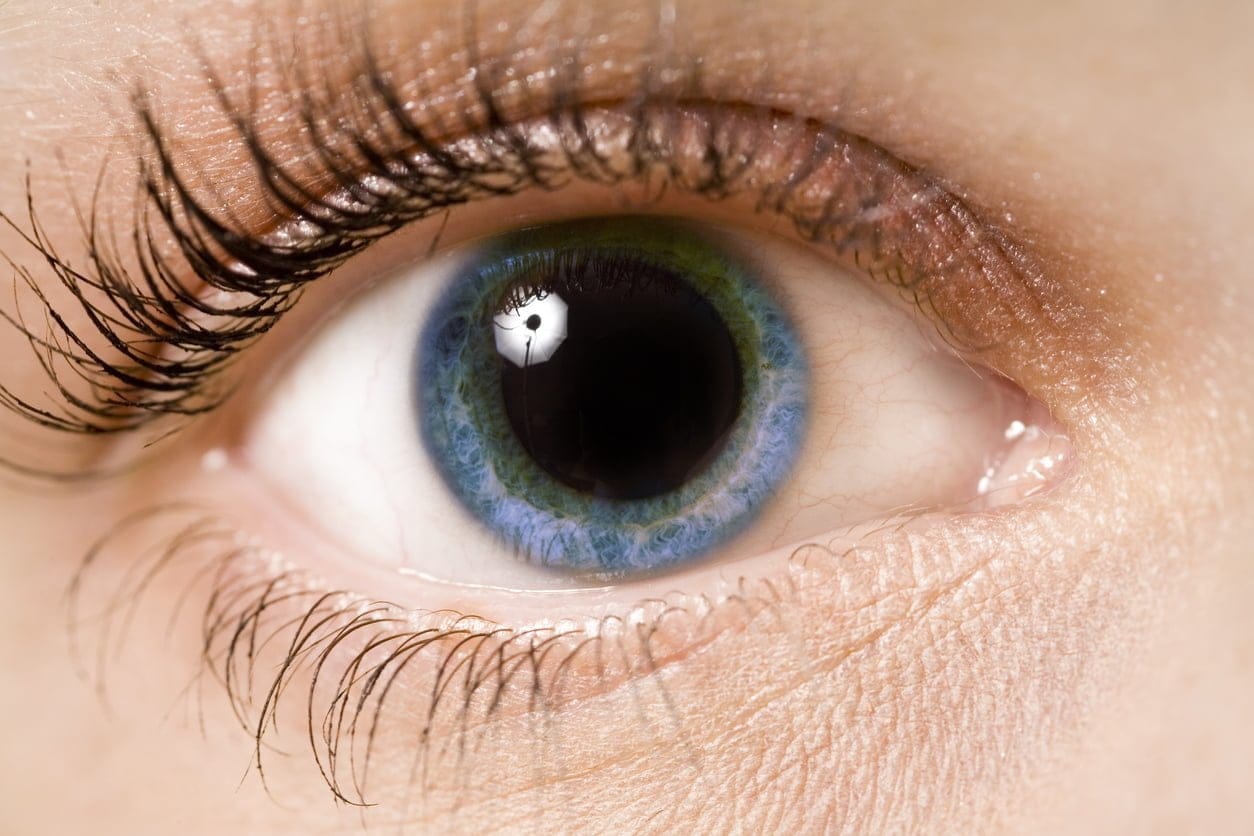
[1082,665]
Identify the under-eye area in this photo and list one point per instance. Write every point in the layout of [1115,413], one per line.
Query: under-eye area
[611,396]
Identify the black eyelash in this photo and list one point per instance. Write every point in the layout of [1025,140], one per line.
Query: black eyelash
[170,342]
[263,633]
[380,166]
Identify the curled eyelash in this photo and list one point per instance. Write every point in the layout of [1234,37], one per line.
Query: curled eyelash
[269,636]
[171,305]
[203,286]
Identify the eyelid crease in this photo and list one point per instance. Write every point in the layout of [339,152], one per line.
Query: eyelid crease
[204,285]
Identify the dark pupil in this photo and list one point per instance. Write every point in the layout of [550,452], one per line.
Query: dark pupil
[641,393]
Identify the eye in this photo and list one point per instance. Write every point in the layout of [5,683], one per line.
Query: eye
[592,401]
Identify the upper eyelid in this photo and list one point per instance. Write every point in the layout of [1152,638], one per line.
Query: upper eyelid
[262,273]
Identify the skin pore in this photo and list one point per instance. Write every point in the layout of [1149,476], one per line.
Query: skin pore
[1079,665]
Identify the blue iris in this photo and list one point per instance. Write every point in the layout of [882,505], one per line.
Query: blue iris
[469,435]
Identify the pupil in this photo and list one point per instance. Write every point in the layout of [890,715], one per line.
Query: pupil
[640,394]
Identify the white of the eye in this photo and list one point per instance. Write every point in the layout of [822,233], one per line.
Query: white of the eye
[896,423]
[533,332]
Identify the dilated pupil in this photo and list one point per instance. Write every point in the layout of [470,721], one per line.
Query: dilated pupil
[642,391]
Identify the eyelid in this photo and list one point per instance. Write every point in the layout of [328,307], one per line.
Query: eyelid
[432,683]
[997,296]
[836,189]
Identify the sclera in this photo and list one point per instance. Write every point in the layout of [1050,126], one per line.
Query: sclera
[899,425]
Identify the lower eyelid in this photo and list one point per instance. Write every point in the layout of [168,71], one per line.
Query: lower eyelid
[459,676]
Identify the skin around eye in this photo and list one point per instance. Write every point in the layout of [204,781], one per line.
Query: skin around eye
[898,424]
[1075,663]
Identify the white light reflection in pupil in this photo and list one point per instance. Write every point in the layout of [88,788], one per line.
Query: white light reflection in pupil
[532,332]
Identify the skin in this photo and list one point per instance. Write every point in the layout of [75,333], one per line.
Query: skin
[1083,666]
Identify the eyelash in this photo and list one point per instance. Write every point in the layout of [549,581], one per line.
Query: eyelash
[366,646]
[173,333]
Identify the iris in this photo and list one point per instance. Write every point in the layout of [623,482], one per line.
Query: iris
[611,396]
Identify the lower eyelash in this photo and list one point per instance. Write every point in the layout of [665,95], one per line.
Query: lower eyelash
[267,629]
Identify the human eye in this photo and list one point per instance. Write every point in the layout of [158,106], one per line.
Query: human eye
[833,378]
[660,406]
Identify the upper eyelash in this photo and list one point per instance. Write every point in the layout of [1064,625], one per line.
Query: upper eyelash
[385,166]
